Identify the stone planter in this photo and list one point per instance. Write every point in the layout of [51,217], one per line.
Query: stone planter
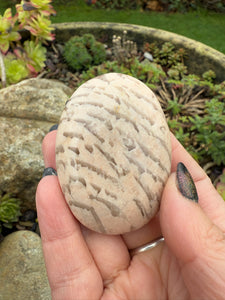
[201,58]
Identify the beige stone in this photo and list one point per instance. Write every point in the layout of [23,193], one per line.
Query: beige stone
[22,268]
[27,111]
[113,153]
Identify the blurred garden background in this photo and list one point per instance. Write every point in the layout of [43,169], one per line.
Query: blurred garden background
[201,20]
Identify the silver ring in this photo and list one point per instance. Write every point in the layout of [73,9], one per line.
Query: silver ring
[146,247]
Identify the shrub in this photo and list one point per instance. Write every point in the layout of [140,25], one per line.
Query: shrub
[183,5]
[81,52]
[115,4]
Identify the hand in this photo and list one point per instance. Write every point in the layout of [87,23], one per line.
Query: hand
[85,265]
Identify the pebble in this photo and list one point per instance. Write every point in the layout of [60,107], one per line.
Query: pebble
[148,56]
[113,153]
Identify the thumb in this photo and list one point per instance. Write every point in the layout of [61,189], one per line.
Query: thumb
[197,243]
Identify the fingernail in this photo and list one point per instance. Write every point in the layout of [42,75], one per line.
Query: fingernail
[54,127]
[49,171]
[185,183]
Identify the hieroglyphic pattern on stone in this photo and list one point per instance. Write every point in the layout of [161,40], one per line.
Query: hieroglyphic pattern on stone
[113,153]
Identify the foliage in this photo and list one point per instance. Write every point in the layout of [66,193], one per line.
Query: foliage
[149,73]
[169,58]
[15,68]
[9,30]
[216,5]
[211,131]
[34,17]
[114,4]
[9,210]
[209,75]
[81,52]
[179,5]
[36,55]
[160,5]
[221,185]
[106,67]
[203,135]
[183,5]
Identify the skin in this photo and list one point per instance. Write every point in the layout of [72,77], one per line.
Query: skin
[190,264]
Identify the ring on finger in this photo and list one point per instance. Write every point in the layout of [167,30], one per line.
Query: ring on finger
[147,246]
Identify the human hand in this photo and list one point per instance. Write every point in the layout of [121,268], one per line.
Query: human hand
[85,265]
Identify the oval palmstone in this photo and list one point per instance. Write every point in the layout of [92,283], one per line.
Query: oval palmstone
[113,153]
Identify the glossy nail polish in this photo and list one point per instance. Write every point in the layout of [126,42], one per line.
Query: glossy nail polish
[49,171]
[185,183]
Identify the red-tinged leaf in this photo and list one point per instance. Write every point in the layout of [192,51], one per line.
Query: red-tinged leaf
[14,36]
[31,69]
[4,46]
[8,14]
[17,52]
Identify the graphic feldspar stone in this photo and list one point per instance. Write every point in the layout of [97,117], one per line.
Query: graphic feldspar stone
[113,153]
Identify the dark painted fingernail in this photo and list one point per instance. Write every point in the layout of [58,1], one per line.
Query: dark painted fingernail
[185,183]
[67,101]
[49,171]
[54,127]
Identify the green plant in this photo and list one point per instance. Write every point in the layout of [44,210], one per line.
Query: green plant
[148,72]
[210,136]
[9,210]
[221,185]
[32,16]
[9,30]
[177,71]
[167,56]
[174,106]
[36,56]
[81,52]
[106,67]
[15,68]
[209,75]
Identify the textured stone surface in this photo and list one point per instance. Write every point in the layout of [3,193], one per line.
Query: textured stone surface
[27,111]
[22,268]
[113,153]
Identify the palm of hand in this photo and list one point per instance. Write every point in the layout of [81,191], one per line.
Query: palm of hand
[154,274]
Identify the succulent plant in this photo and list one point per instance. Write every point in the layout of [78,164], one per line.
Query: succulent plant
[81,52]
[9,210]
[209,75]
[8,30]
[37,55]
[35,17]
[15,68]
